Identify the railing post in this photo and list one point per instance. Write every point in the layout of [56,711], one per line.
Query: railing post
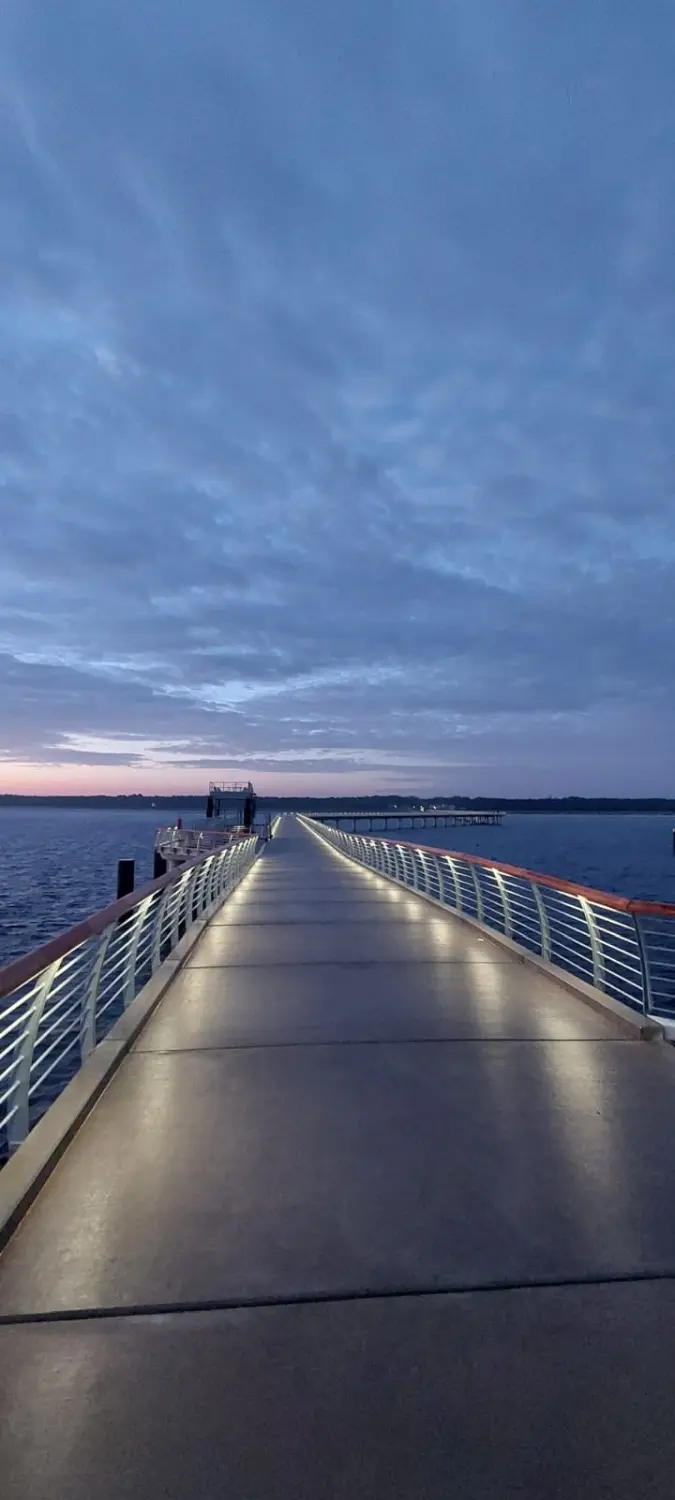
[506,903]
[18,1126]
[177,891]
[88,1016]
[230,871]
[140,914]
[180,909]
[203,887]
[544,929]
[455,881]
[226,876]
[158,927]
[479,893]
[196,893]
[214,872]
[596,943]
[645,970]
[197,880]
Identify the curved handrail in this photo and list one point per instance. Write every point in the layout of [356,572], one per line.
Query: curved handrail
[58,1002]
[20,970]
[623,947]
[603,898]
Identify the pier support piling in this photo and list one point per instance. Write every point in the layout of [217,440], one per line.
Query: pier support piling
[126,869]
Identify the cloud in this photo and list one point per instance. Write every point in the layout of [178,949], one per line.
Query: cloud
[336,389]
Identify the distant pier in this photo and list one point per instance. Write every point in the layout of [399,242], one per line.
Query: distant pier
[433,817]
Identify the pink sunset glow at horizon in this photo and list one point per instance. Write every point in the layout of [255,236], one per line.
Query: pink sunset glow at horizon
[112,781]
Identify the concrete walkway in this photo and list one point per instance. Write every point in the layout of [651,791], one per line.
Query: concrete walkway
[372,1210]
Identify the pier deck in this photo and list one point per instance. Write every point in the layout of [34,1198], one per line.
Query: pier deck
[371,1210]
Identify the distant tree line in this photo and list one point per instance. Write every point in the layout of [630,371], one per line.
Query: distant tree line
[136,800]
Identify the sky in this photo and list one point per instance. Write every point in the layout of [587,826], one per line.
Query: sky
[336,396]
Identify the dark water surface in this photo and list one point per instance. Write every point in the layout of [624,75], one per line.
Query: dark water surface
[58,865]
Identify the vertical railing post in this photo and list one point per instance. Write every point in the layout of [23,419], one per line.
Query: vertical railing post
[88,1014]
[204,886]
[595,939]
[230,871]
[479,893]
[544,928]
[196,882]
[18,1126]
[645,970]
[214,877]
[224,874]
[199,892]
[177,893]
[158,927]
[506,902]
[543,921]
[210,884]
[455,881]
[137,917]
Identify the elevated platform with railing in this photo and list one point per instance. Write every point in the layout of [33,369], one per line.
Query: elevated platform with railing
[367,1188]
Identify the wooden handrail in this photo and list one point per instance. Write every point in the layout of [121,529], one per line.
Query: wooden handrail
[20,970]
[603,898]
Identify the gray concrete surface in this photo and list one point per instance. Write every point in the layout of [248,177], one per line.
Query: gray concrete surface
[370,1210]
[564,1393]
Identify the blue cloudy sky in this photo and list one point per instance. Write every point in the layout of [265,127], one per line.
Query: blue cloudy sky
[336,394]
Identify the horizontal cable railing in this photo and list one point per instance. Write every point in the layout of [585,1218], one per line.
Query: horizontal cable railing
[624,948]
[57,1003]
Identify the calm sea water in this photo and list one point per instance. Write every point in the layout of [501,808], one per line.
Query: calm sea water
[57,865]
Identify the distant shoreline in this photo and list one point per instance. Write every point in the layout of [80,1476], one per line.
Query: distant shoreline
[371,805]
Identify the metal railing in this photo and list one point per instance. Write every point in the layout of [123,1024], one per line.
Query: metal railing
[57,1003]
[624,948]
[177,844]
[189,843]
